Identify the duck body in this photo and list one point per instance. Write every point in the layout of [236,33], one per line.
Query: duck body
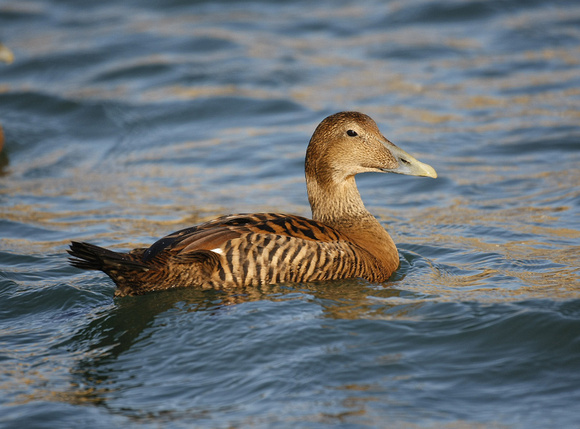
[343,240]
[237,251]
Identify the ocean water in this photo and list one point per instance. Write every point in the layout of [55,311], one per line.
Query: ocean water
[124,121]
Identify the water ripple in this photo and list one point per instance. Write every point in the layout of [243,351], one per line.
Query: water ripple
[124,122]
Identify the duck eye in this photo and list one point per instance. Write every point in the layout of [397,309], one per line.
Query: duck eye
[351,133]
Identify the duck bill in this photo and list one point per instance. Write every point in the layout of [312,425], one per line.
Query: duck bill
[408,164]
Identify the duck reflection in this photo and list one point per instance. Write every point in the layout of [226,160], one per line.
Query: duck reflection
[131,322]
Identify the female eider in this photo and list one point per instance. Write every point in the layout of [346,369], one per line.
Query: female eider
[342,240]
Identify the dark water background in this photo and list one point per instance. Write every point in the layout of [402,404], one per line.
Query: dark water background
[125,121]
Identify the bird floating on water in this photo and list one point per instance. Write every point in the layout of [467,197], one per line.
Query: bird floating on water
[341,241]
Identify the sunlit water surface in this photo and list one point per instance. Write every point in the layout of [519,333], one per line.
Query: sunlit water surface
[124,121]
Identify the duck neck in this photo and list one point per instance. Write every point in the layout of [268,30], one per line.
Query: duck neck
[337,204]
[340,206]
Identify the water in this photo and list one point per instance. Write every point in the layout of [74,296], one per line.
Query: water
[125,121]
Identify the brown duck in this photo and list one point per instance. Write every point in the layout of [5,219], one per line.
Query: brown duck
[342,240]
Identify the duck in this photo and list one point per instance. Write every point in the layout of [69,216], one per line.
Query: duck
[342,240]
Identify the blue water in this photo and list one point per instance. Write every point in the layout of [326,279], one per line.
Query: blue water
[124,121]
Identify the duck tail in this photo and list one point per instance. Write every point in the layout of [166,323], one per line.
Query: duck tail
[90,257]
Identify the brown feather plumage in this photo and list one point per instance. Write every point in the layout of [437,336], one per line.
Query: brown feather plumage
[343,240]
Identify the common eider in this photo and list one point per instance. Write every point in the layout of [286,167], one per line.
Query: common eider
[341,241]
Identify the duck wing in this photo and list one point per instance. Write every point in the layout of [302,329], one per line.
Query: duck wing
[216,233]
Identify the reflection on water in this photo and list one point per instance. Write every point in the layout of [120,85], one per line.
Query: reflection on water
[114,330]
[123,348]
